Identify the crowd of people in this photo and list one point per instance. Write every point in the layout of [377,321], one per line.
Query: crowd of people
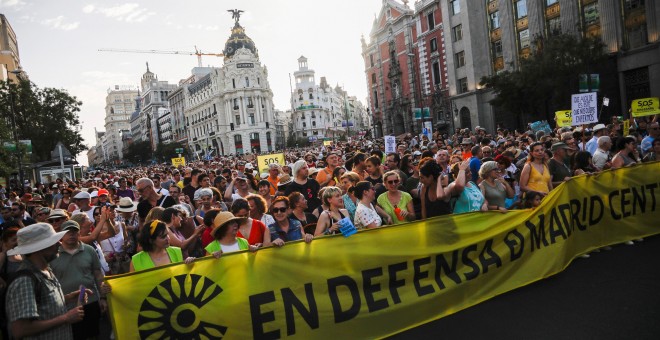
[70,233]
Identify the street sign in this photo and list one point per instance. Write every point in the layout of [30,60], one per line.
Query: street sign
[584,108]
[181,161]
[645,107]
[263,162]
[417,113]
[564,118]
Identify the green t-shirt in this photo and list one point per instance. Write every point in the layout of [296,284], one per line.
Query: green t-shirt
[384,203]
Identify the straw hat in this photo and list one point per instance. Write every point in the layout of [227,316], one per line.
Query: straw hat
[126,204]
[35,237]
[223,218]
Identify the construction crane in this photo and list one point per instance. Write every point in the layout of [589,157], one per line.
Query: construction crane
[197,52]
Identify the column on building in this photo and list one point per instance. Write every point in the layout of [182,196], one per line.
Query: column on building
[570,17]
[610,20]
[535,15]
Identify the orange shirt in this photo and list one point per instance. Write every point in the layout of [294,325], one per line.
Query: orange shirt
[467,155]
[273,184]
[323,175]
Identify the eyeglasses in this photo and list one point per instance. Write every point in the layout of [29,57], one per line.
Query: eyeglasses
[140,190]
[278,210]
[56,220]
[393,182]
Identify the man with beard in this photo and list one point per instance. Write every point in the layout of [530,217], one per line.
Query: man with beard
[48,318]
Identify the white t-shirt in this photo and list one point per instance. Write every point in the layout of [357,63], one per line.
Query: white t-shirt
[229,249]
[364,216]
[114,244]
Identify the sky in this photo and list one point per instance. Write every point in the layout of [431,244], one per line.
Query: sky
[59,40]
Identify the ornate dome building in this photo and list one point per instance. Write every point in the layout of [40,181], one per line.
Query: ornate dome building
[230,109]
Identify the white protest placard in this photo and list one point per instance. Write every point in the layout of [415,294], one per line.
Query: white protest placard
[428,129]
[390,144]
[584,107]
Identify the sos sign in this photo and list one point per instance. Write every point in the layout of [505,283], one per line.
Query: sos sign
[645,107]
[266,160]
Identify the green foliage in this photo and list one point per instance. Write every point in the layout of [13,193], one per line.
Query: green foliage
[165,152]
[545,81]
[138,152]
[45,116]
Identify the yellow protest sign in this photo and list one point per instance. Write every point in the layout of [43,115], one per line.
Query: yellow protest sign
[645,107]
[179,161]
[327,142]
[626,127]
[383,281]
[564,118]
[266,160]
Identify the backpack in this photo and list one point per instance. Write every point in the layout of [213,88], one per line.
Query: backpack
[3,293]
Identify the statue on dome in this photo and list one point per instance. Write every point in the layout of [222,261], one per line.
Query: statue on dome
[235,14]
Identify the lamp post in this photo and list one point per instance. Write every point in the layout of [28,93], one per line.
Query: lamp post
[15,130]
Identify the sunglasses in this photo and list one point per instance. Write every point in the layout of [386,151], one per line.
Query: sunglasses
[392,182]
[278,210]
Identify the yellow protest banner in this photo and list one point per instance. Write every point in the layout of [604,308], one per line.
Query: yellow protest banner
[626,127]
[564,118]
[266,160]
[179,161]
[383,281]
[645,107]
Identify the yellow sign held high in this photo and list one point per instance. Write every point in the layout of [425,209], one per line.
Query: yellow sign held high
[179,161]
[266,160]
[645,107]
[564,118]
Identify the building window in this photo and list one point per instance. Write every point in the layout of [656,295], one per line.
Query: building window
[233,83]
[434,45]
[247,82]
[550,2]
[375,99]
[455,6]
[431,20]
[462,85]
[524,38]
[436,74]
[371,60]
[497,48]
[373,79]
[591,15]
[521,9]
[495,20]
[632,4]
[238,119]
[457,32]
[460,59]
[554,26]
[250,103]
[251,117]
[313,124]
[238,142]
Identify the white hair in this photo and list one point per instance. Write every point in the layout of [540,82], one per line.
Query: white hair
[603,139]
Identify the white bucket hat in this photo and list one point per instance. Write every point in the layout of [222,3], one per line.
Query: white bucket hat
[126,204]
[36,237]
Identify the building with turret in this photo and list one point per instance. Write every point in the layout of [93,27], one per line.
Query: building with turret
[229,110]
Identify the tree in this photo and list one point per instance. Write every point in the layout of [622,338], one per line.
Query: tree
[164,152]
[138,152]
[44,116]
[545,81]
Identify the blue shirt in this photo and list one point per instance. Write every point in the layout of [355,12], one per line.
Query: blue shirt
[295,231]
[592,145]
[646,144]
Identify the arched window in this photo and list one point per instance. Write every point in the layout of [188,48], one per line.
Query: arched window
[238,142]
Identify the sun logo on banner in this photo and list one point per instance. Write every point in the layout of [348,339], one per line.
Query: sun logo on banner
[173,309]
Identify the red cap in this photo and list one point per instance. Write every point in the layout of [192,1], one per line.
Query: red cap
[103,192]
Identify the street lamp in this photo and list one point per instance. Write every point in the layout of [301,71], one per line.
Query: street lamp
[13,126]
